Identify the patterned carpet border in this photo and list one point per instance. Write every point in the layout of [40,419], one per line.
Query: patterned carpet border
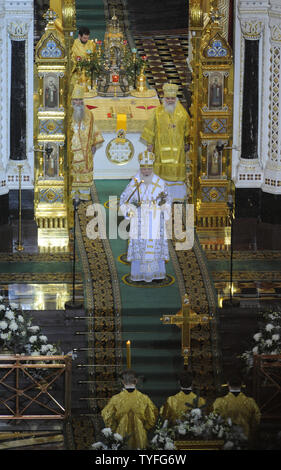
[247,275]
[112,268]
[244,255]
[103,303]
[35,257]
[88,286]
[39,278]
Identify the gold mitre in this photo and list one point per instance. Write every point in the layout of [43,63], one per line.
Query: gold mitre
[170,90]
[146,159]
[78,92]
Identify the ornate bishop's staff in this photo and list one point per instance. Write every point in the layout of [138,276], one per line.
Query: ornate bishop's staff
[186,319]
[19,245]
[137,188]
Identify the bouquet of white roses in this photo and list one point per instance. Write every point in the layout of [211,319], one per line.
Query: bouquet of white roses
[195,425]
[110,441]
[163,438]
[267,340]
[18,335]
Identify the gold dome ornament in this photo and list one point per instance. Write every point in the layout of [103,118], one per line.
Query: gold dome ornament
[141,90]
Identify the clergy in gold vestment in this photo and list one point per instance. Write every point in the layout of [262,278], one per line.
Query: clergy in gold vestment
[85,138]
[82,47]
[242,410]
[182,402]
[130,413]
[166,134]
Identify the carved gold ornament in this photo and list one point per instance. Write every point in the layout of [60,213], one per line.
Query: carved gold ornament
[119,150]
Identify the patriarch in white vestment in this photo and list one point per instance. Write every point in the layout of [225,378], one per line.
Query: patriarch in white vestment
[146,203]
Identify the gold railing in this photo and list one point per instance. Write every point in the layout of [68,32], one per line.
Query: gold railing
[35,387]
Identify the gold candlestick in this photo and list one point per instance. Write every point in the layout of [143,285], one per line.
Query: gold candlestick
[19,246]
[128,348]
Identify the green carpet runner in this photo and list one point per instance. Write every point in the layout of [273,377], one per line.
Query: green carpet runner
[155,348]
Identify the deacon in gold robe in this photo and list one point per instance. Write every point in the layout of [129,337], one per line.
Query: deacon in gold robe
[241,409]
[182,402]
[82,49]
[166,134]
[85,139]
[130,413]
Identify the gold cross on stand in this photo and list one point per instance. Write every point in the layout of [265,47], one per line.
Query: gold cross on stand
[186,319]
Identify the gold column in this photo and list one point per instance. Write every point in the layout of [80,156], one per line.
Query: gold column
[211,110]
[69,27]
[196,29]
[50,174]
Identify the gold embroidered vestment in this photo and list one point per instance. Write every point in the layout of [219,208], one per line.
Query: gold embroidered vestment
[167,132]
[132,414]
[242,410]
[85,136]
[176,405]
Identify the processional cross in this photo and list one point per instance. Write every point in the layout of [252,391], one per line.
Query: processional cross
[186,319]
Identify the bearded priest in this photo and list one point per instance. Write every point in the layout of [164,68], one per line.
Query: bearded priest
[166,134]
[85,139]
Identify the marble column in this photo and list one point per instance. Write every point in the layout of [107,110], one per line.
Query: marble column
[271,188]
[18,102]
[4,190]
[19,50]
[246,160]
[272,174]
[250,111]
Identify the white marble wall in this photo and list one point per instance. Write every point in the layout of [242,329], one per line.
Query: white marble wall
[16,23]
[259,19]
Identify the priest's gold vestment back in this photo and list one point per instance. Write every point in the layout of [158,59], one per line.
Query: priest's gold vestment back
[177,405]
[242,410]
[131,414]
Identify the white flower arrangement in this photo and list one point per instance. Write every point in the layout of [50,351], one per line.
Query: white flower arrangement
[267,340]
[111,441]
[19,336]
[163,438]
[195,425]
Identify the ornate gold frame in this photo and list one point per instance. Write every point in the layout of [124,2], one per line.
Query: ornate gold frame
[211,125]
[51,191]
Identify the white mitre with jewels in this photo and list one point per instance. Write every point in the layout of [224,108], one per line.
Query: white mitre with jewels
[146,159]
